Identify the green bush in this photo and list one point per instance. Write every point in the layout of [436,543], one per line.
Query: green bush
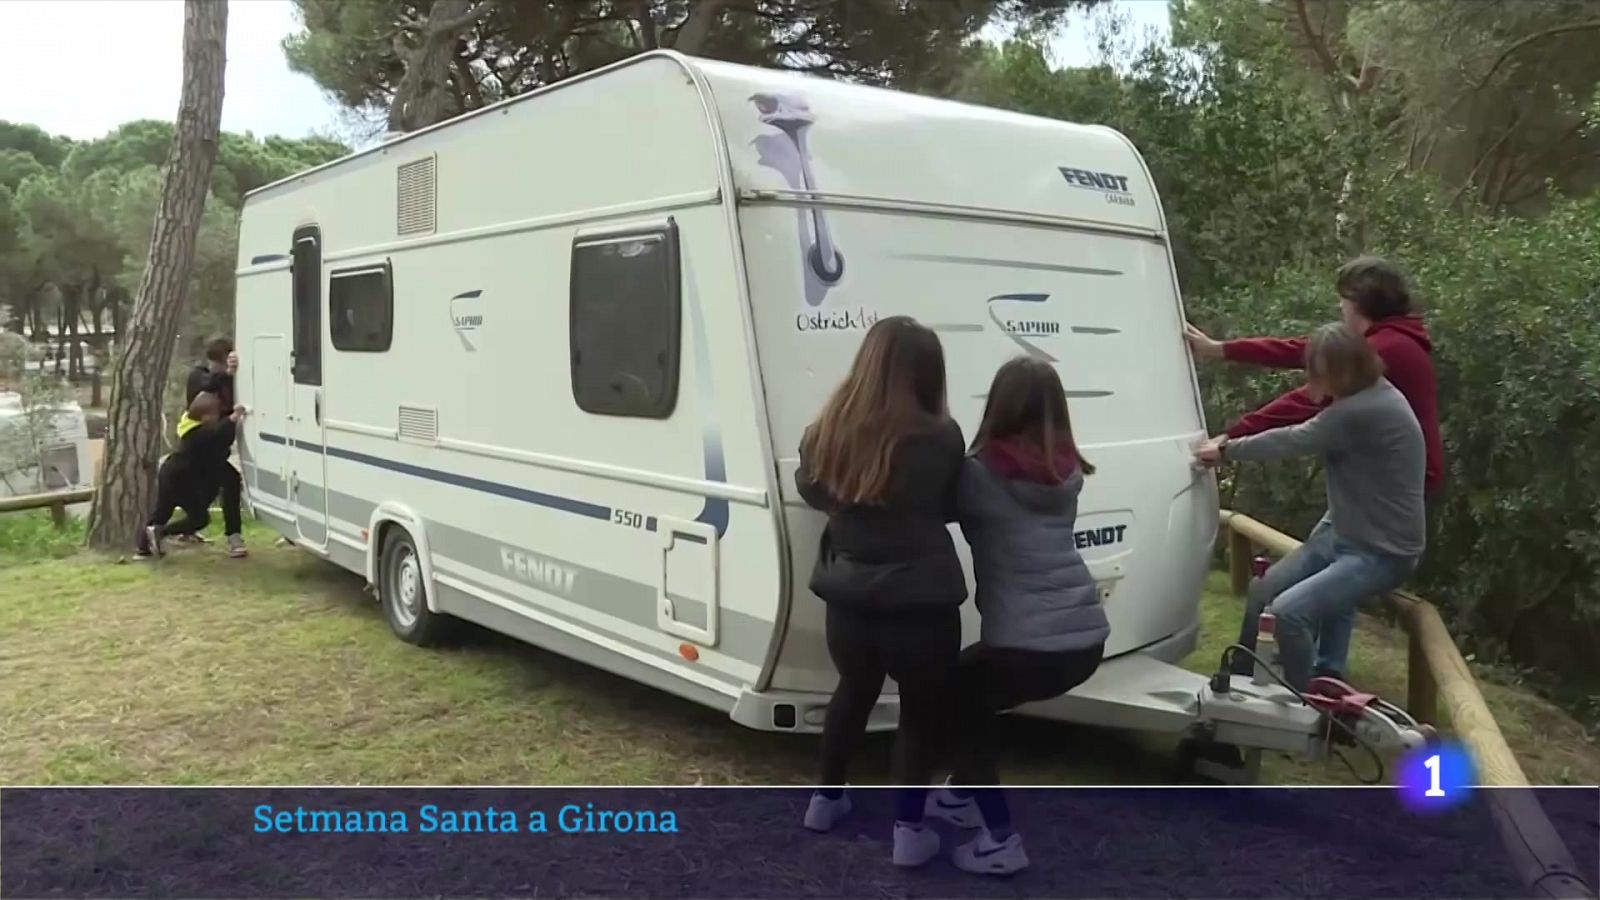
[1514,308]
[31,536]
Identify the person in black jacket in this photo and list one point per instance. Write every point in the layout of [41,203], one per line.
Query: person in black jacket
[214,375]
[191,475]
[883,460]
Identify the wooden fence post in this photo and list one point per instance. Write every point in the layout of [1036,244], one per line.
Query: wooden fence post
[1437,674]
[1422,691]
[58,514]
[1239,554]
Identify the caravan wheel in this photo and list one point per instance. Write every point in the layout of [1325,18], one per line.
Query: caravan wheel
[404,593]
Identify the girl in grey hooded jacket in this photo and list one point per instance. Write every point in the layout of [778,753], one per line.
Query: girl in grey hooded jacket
[1044,630]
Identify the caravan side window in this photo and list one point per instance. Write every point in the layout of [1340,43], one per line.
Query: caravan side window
[361,308]
[625,321]
[307,314]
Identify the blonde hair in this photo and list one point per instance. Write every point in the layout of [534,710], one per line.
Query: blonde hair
[1341,361]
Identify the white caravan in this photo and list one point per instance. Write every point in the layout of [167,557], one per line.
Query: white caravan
[545,367]
[63,453]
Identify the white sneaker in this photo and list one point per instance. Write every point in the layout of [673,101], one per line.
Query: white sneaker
[987,856]
[822,813]
[961,812]
[914,845]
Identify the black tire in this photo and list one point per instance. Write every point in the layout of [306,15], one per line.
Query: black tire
[403,593]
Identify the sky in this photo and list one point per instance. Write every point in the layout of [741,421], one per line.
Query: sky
[140,41]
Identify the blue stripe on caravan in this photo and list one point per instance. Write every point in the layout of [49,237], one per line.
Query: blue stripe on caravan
[537,498]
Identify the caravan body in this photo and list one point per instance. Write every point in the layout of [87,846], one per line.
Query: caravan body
[63,462]
[545,367]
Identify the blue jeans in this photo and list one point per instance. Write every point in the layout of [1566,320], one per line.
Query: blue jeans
[1314,593]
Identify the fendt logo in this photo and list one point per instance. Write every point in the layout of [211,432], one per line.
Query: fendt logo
[1099,537]
[1113,186]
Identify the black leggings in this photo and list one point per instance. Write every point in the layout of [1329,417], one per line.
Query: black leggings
[196,513]
[177,489]
[919,650]
[996,679]
[232,487]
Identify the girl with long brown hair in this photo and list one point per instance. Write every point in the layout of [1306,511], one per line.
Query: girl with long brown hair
[1044,630]
[882,460]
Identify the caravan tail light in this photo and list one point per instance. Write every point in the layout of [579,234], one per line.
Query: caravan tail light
[1266,624]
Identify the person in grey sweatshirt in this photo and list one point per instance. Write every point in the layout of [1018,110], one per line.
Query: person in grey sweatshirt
[1043,630]
[1374,532]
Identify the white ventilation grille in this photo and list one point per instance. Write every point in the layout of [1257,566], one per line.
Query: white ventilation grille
[415,182]
[418,424]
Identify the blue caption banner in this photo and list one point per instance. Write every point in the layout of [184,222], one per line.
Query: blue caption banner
[748,842]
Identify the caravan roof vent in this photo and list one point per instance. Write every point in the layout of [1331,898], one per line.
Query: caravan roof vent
[415,184]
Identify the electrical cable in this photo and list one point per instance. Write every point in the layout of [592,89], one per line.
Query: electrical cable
[1225,670]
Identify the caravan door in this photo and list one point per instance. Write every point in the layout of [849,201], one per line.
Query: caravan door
[307,436]
[263,450]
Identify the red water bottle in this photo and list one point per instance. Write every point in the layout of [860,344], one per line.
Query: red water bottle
[1266,635]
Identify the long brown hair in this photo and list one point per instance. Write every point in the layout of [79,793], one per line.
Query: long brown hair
[1027,403]
[895,388]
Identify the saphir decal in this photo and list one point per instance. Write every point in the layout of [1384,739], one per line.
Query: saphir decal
[466,317]
[1023,327]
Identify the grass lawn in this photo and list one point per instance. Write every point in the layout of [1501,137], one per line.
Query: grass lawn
[279,669]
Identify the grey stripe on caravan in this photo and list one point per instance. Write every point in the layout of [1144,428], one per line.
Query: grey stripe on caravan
[266,482]
[484,589]
[627,600]
[744,637]
[1005,263]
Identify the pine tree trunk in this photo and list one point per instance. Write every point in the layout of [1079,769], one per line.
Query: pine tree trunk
[424,95]
[133,426]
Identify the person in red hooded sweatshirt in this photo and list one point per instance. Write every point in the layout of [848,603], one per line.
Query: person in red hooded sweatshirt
[1375,301]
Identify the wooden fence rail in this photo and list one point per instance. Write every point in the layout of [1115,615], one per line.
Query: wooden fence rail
[55,501]
[1436,671]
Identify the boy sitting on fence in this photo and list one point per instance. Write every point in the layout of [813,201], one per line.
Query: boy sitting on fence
[191,476]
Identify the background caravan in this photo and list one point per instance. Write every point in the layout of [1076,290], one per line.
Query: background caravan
[545,367]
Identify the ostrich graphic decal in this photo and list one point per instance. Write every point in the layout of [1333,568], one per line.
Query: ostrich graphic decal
[788,153]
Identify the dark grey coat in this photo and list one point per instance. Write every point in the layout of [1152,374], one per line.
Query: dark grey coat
[1034,591]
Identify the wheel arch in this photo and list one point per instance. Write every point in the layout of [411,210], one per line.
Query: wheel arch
[387,517]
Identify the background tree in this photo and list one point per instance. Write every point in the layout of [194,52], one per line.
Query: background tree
[77,228]
[25,436]
[416,63]
[1487,97]
[133,436]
